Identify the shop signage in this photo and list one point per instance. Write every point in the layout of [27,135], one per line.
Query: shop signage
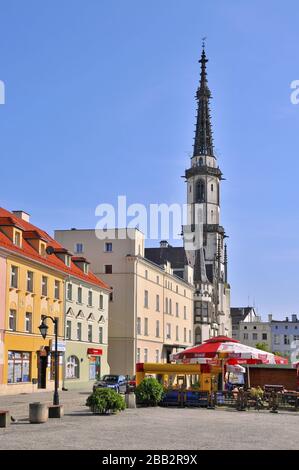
[60,346]
[94,352]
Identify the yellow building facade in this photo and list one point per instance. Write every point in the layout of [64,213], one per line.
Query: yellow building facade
[32,291]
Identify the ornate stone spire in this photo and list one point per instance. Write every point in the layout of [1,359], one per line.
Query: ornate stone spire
[203,142]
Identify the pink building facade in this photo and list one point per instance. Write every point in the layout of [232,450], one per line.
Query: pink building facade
[2,311]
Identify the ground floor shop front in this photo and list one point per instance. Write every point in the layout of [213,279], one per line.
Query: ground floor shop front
[27,363]
[84,363]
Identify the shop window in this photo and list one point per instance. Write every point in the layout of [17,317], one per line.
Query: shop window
[18,367]
[94,367]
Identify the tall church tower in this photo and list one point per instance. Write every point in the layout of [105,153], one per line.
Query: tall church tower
[209,253]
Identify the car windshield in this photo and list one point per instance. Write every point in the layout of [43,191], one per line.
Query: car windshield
[110,378]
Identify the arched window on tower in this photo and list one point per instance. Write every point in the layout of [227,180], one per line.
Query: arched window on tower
[200,191]
[200,161]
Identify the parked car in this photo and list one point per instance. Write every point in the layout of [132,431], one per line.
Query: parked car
[131,382]
[116,382]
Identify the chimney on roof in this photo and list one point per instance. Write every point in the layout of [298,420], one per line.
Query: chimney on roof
[164,244]
[287,318]
[294,317]
[270,317]
[22,215]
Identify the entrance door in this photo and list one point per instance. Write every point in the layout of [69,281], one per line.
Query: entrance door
[42,371]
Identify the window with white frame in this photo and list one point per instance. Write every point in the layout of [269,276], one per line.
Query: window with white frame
[157,303]
[79,248]
[108,247]
[101,336]
[157,328]
[12,320]
[138,356]
[44,286]
[72,368]
[146,327]
[30,281]
[185,313]
[190,336]
[14,276]
[145,299]
[170,307]
[145,355]
[168,330]
[157,355]
[69,291]
[89,333]
[28,322]
[177,333]
[276,339]
[176,309]
[57,290]
[101,302]
[185,335]
[68,329]
[79,331]
[79,296]
[138,325]
[90,298]
[17,238]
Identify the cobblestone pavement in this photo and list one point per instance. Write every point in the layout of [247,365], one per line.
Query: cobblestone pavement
[146,428]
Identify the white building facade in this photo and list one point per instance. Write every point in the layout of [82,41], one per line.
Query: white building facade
[150,310]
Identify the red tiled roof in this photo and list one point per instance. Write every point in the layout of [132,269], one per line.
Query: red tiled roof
[51,261]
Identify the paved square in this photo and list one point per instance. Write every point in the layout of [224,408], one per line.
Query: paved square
[146,428]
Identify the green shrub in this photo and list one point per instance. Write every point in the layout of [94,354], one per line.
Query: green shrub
[105,400]
[149,392]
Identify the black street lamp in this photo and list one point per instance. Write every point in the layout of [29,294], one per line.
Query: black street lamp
[43,328]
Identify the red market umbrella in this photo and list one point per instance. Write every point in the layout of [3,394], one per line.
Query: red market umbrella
[223,347]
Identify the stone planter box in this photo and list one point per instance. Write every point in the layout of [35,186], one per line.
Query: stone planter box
[4,418]
[56,411]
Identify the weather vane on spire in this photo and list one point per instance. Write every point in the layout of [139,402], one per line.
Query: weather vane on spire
[204,42]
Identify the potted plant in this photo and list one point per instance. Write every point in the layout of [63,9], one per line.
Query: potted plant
[105,401]
[149,392]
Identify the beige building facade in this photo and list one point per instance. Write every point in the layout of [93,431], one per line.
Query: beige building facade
[151,309]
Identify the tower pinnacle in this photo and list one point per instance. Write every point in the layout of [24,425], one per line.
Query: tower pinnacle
[203,142]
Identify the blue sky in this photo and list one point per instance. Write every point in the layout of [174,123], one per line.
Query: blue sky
[100,102]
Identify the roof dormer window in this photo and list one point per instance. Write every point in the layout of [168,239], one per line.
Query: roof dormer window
[17,239]
[42,249]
